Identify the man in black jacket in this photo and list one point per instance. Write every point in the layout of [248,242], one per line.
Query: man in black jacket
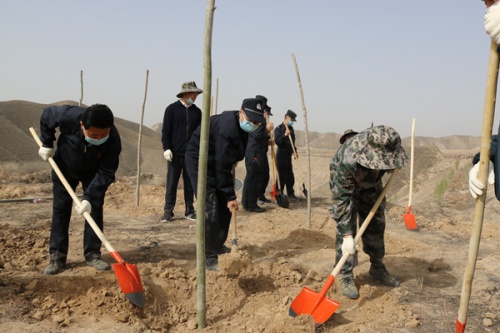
[284,153]
[88,150]
[257,165]
[226,146]
[180,120]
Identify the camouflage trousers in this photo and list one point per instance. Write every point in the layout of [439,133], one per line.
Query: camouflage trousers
[372,238]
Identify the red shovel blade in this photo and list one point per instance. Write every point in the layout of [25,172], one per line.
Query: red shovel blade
[460,328]
[130,282]
[410,222]
[305,303]
[274,193]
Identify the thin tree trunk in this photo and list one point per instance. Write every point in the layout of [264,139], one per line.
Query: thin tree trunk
[81,88]
[202,167]
[304,110]
[138,177]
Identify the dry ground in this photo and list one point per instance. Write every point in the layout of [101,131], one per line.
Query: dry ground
[277,256]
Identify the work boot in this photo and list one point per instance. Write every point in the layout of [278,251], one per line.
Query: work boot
[53,268]
[349,287]
[224,250]
[213,264]
[99,264]
[382,276]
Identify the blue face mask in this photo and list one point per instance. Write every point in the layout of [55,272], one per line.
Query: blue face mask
[248,126]
[189,101]
[96,142]
[290,123]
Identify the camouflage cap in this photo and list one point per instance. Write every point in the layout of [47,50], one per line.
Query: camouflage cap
[189,87]
[379,148]
[347,134]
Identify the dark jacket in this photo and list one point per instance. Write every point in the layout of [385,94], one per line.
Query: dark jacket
[74,156]
[283,142]
[258,142]
[226,146]
[495,158]
[179,123]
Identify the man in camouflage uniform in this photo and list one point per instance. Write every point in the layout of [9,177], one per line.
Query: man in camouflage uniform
[356,173]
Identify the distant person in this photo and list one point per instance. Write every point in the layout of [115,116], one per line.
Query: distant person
[492,19]
[88,150]
[180,120]
[282,135]
[255,164]
[347,135]
[265,161]
[226,147]
[356,173]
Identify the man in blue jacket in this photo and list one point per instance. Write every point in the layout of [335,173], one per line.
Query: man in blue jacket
[226,147]
[88,151]
[180,120]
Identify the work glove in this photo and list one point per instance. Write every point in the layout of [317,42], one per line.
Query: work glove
[168,155]
[45,152]
[475,186]
[492,22]
[348,245]
[84,207]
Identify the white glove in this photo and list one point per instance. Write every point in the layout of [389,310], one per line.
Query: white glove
[475,186]
[348,245]
[45,153]
[492,22]
[168,155]
[84,207]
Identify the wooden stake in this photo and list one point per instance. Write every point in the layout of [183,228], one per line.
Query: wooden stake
[138,176]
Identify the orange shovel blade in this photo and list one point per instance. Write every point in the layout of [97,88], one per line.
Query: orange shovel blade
[130,283]
[410,222]
[274,193]
[307,303]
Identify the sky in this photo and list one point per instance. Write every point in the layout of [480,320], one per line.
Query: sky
[360,62]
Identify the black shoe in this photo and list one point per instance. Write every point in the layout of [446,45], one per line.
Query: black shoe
[167,217]
[256,209]
[265,200]
[382,276]
[191,216]
[212,264]
[98,264]
[293,198]
[54,267]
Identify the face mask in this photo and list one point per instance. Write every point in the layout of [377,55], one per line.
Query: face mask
[96,142]
[290,123]
[248,126]
[189,101]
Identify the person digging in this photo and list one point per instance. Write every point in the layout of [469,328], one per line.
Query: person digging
[356,173]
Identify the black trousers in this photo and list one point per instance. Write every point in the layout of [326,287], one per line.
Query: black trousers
[174,170]
[252,184]
[264,169]
[61,215]
[217,215]
[285,171]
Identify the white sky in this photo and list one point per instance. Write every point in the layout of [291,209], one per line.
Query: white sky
[359,61]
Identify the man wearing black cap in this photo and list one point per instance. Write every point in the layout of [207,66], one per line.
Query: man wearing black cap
[227,143]
[180,120]
[257,165]
[284,153]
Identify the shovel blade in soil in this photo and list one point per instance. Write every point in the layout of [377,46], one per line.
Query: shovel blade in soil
[304,190]
[410,222]
[130,283]
[282,201]
[306,302]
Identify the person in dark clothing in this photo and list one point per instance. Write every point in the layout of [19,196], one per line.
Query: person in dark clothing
[180,120]
[284,153]
[256,164]
[264,160]
[88,150]
[227,144]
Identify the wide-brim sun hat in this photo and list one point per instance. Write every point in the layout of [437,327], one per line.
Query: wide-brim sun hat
[347,133]
[188,87]
[379,148]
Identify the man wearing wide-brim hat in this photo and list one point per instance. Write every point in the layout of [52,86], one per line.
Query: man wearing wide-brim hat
[180,120]
[356,172]
[349,133]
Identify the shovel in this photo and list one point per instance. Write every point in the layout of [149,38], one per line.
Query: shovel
[409,218]
[127,274]
[280,199]
[318,305]
[298,164]
[234,241]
